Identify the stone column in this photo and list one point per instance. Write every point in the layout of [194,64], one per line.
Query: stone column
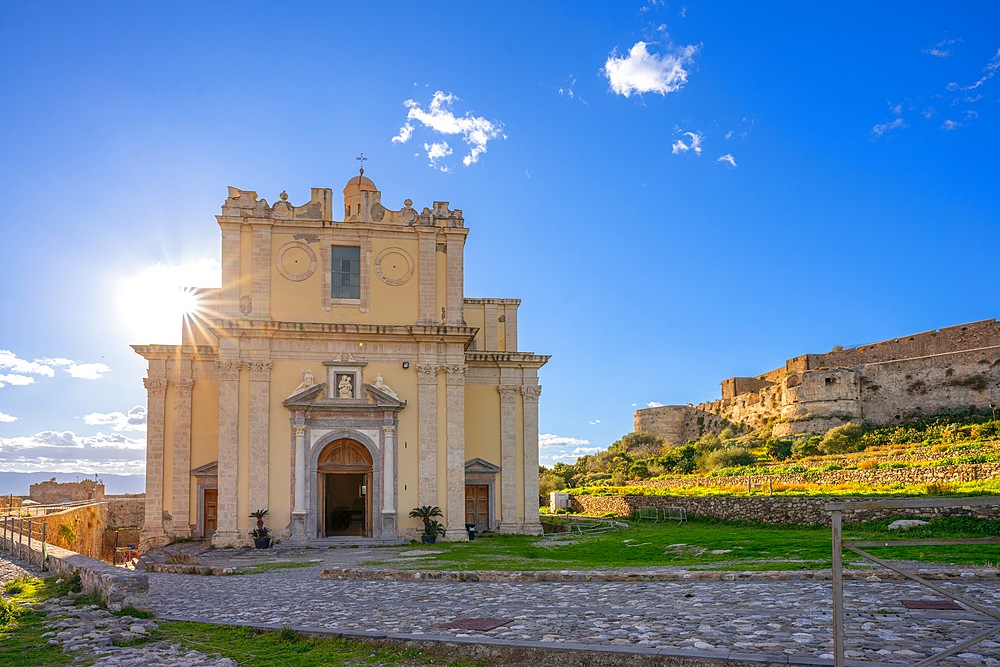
[299,510]
[508,460]
[427,276]
[529,402]
[180,507]
[156,392]
[389,482]
[260,375]
[260,282]
[456,281]
[227,534]
[455,511]
[427,434]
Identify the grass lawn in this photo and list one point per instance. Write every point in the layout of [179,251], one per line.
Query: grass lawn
[22,644]
[706,544]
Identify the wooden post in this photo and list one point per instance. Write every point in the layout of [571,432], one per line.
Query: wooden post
[45,551]
[838,589]
[20,539]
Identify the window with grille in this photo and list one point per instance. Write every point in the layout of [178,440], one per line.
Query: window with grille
[345,272]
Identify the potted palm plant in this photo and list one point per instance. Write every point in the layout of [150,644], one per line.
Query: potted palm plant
[426,513]
[432,530]
[261,535]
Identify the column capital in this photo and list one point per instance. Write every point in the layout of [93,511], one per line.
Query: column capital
[507,392]
[427,372]
[299,429]
[456,370]
[531,392]
[184,384]
[389,430]
[259,370]
[155,385]
[229,369]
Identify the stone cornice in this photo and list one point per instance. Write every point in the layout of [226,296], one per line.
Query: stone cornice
[514,359]
[162,352]
[272,328]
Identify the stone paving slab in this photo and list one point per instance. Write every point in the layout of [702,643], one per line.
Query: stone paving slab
[770,621]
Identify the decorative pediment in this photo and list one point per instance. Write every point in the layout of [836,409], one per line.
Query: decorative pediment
[479,466]
[384,398]
[306,396]
[207,470]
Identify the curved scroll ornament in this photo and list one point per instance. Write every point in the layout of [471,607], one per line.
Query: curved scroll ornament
[259,370]
[299,429]
[531,392]
[456,370]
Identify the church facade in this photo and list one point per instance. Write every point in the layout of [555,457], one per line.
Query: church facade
[338,379]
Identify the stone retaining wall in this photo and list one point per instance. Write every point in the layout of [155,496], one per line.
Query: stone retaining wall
[925,474]
[116,586]
[793,510]
[126,511]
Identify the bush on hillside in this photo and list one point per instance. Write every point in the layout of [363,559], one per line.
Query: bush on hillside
[842,439]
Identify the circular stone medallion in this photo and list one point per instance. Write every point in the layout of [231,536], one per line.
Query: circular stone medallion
[394,266]
[296,261]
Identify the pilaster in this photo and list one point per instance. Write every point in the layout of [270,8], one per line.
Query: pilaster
[299,510]
[508,460]
[389,481]
[227,533]
[261,271]
[156,392]
[260,375]
[427,433]
[427,276]
[230,305]
[529,402]
[455,512]
[456,280]
[180,505]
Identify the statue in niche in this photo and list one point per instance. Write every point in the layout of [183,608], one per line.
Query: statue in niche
[308,380]
[345,388]
[380,384]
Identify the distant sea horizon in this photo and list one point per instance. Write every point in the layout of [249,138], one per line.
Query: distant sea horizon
[18,483]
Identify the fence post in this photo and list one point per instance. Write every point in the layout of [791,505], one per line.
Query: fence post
[45,551]
[20,539]
[838,588]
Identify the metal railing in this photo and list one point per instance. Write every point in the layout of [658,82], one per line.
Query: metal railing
[41,510]
[19,533]
[836,510]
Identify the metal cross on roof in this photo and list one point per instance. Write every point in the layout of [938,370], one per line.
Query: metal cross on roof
[362,159]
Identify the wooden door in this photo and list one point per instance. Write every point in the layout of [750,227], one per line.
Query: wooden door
[477,505]
[211,511]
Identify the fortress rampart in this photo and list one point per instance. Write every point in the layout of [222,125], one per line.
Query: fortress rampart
[951,369]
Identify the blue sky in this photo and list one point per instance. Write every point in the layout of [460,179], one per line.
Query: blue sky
[679,192]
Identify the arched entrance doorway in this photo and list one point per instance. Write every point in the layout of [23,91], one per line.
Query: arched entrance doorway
[345,489]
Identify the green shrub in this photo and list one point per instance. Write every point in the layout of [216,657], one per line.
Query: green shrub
[804,447]
[842,439]
[730,457]
[778,450]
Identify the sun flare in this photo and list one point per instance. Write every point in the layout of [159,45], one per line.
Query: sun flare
[153,302]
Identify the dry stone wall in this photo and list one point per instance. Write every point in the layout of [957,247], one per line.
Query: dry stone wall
[781,510]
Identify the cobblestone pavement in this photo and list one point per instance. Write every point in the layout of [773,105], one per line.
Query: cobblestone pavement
[791,619]
[89,632]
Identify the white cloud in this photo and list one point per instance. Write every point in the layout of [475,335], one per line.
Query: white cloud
[15,379]
[10,361]
[882,128]
[475,131]
[546,440]
[950,125]
[437,152]
[135,420]
[595,422]
[728,159]
[64,451]
[942,49]
[92,371]
[988,73]
[693,143]
[654,404]
[644,72]
[6,418]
